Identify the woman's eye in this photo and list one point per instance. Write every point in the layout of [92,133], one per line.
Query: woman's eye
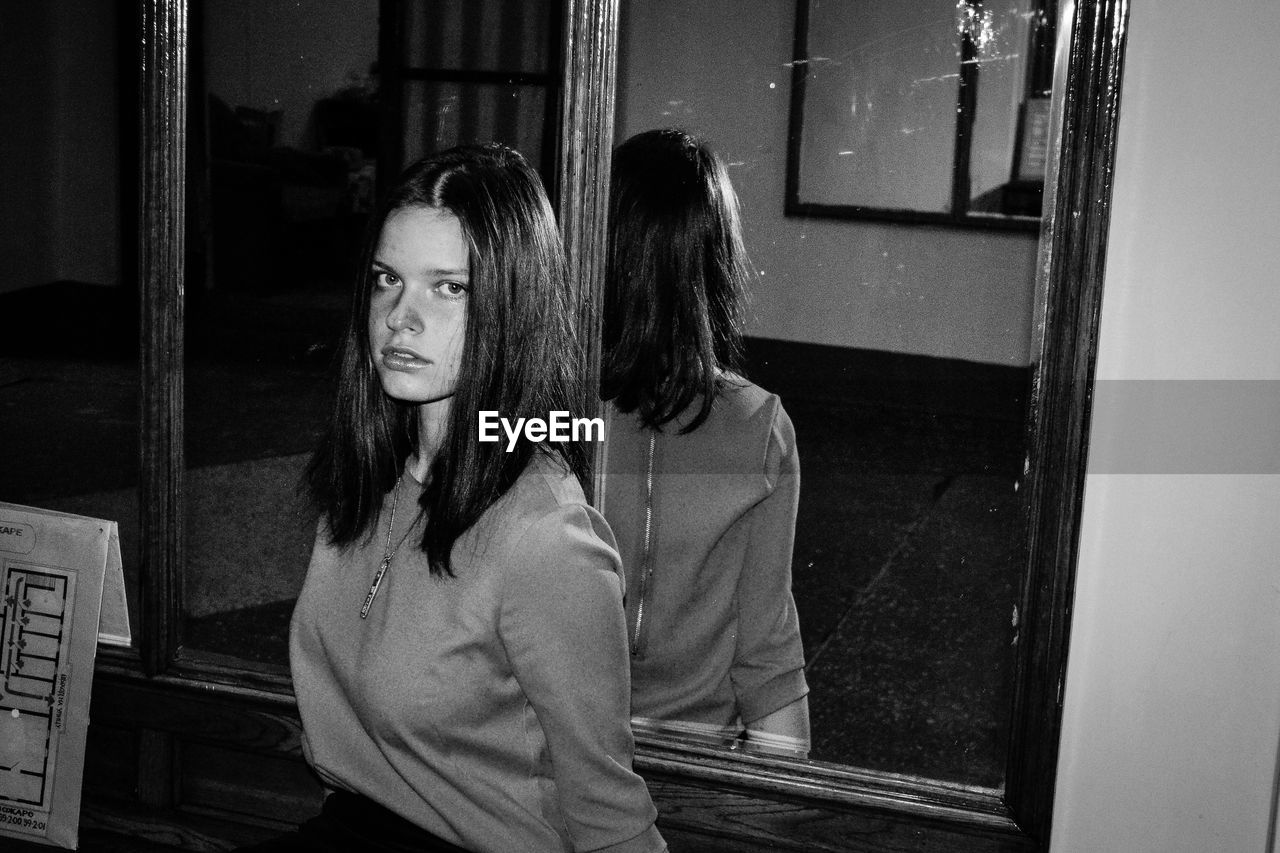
[453,288]
[386,279]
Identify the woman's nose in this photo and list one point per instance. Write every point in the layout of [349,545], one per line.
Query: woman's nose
[404,316]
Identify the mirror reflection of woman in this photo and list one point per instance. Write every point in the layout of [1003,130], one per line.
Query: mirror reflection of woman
[458,650]
[702,475]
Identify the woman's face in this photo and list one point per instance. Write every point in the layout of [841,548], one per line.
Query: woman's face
[418,306]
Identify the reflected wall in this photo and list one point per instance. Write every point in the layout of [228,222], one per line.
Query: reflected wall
[724,70]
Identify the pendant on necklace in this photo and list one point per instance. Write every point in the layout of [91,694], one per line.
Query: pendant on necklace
[373,588]
[387,553]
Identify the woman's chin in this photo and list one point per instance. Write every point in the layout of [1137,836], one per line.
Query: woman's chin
[411,394]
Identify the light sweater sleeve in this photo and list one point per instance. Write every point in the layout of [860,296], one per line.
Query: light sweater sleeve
[562,625]
[768,666]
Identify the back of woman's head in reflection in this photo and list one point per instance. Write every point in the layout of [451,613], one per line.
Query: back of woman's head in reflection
[676,278]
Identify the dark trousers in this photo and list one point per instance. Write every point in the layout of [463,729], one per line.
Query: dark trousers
[349,822]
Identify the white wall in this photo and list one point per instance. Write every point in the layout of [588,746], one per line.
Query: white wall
[721,68]
[1172,704]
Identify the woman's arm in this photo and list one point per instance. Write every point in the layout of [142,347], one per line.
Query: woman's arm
[563,627]
[768,668]
[782,732]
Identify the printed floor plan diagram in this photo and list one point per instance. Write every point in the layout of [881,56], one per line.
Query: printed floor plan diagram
[35,625]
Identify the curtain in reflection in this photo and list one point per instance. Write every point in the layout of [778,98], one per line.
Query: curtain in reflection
[478,71]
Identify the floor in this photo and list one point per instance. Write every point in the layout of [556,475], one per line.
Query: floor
[906,554]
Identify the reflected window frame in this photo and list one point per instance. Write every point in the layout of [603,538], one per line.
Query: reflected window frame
[401,70]
[960,213]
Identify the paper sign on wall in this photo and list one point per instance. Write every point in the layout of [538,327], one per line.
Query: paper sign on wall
[61,591]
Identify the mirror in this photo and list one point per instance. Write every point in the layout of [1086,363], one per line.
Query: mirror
[902,355]
[906,382]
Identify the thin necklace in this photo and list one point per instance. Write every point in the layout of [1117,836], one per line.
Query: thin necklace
[387,553]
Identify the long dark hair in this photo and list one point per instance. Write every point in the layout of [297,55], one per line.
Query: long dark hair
[521,357]
[676,278]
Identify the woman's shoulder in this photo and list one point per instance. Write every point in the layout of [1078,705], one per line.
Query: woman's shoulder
[544,535]
[749,425]
[743,415]
[739,399]
[547,484]
[545,503]
[739,406]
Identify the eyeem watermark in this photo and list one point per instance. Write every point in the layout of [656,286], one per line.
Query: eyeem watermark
[557,427]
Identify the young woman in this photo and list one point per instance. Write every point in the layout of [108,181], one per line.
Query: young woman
[702,477]
[458,649]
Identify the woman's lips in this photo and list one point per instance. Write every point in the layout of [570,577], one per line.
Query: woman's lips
[403,359]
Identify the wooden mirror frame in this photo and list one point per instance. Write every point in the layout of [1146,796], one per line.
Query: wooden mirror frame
[712,799]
